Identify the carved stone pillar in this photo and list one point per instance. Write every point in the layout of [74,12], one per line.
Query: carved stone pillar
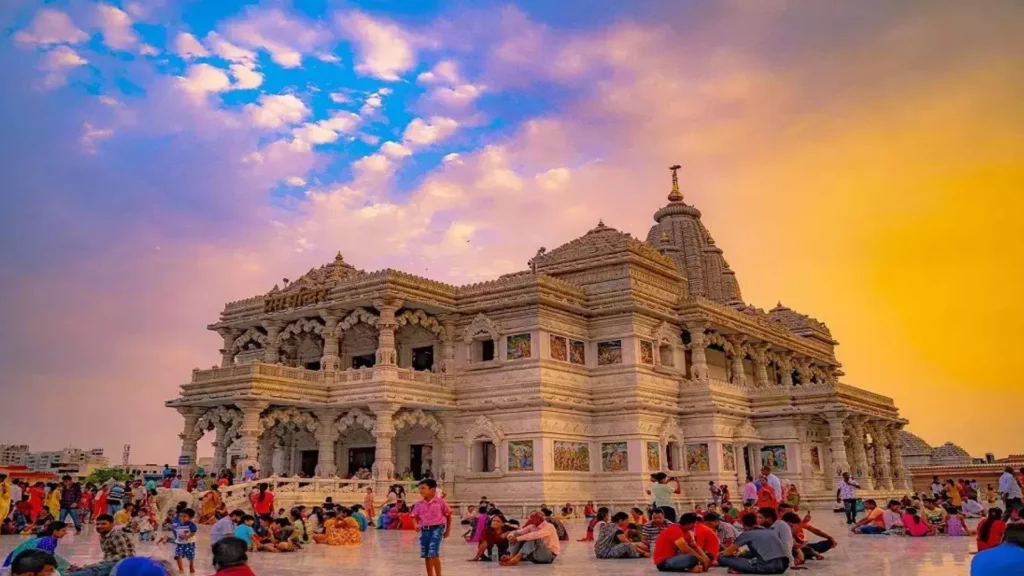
[266,457]
[803,370]
[331,361]
[448,345]
[785,368]
[387,355]
[837,442]
[698,351]
[860,455]
[739,377]
[881,437]
[804,447]
[900,477]
[250,432]
[287,456]
[220,449]
[446,474]
[760,360]
[272,352]
[190,439]
[326,437]
[384,436]
[227,355]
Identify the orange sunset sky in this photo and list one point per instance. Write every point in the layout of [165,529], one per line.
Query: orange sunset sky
[861,162]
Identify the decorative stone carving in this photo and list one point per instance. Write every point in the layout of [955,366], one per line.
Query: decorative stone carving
[290,415]
[230,419]
[302,326]
[481,324]
[483,427]
[353,417]
[407,418]
[421,318]
[251,336]
[355,317]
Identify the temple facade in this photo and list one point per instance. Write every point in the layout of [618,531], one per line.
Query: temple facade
[608,359]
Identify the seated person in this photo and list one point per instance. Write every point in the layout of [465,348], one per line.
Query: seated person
[765,552]
[873,522]
[914,526]
[935,515]
[613,540]
[494,539]
[536,542]
[687,546]
[802,549]
[725,531]
[563,534]
[892,518]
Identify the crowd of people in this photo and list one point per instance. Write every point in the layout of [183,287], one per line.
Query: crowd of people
[764,533]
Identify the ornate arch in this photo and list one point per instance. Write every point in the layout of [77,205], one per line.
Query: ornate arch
[483,427]
[670,431]
[481,323]
[354,417]
[229,418]
[250,335]
[290,415]
[300,326]
[665,334]
[356,316]
[408,418]
[713,337]
[421,318]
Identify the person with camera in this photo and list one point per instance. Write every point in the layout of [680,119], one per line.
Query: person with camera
[662,493]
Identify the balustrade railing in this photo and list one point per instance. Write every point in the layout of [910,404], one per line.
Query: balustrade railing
[313,376]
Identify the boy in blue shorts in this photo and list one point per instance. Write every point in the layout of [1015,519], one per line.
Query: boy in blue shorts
[185,540]
[433,520]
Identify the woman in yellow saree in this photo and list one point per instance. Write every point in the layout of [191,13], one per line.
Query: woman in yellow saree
[53,501]
[5,496]
[208,508]
[342,530]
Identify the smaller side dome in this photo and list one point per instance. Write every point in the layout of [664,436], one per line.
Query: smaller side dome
[950,454]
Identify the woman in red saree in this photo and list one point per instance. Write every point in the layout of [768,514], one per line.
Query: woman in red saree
[36,496]
[99,503]
[766,497]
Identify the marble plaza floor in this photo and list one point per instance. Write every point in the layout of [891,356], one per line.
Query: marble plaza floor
[397,554]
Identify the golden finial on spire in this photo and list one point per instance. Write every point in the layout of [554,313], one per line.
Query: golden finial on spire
[675,195]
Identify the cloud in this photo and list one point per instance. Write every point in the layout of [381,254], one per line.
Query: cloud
[373,102]
[285,37]
[327,131]
[554,179]
[445,71]
[457,96]
[91,135]
[328,57]
[202,79]
[421,133]
[395,150]
[116,27]
[277,110]
[228,51]
[188,46]
[295,181]
[246,77]
[374,163]
[149,50]
[339,97]
[383,49]
[453,158]
[50,27]
[57,63]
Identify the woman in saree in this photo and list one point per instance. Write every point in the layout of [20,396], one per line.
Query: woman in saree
[344,531]
[47,540]
[766,496]
[36,495]
[793,497]
[99,502]
[368,506]
[5,497]
[208,508]
[53,500]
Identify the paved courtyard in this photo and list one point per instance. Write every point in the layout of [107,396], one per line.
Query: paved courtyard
[397,554]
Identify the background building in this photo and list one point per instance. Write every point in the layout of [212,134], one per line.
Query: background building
[10,454]
[73,461]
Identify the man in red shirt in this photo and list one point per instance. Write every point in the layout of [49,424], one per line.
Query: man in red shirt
[688,546]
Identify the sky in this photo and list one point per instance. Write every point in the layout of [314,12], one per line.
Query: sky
[860,162]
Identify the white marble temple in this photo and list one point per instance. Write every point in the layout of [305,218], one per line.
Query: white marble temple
[397,554]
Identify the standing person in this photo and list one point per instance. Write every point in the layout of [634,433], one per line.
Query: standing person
[368,505]
[1005,559]
[846,493]
[230,558]
[115,499]
[99,502]
[263,500]
[766,495]
[716,493]
[766,553]
[773,481]
[433,520]
[53,500]
[70,498]
[16,492]
[936,486]
[5,497]
[663,494]
[185,540]
[85,504]
[749,491]
[250,474]
[1011,493]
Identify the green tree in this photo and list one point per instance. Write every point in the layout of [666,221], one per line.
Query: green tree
[101,475]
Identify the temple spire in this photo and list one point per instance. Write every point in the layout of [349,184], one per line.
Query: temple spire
[675,195]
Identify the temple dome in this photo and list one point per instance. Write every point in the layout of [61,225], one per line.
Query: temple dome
[950,454]
[680,235]
[914,445]
[317,278]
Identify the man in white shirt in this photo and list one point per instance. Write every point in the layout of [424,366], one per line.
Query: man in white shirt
[1010,490]
[936,486]
[846,492]
[15,493]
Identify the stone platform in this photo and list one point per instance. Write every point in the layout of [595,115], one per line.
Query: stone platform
[397,554]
